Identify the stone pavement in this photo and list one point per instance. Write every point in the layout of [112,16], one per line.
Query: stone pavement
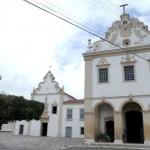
[8,141]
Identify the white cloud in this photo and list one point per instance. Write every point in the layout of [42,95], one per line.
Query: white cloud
[32,40]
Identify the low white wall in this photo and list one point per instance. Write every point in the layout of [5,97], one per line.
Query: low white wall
[7,127]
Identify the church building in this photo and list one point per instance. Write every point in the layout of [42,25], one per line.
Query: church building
[116,93]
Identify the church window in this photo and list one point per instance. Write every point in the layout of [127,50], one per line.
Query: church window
[129,73]
[69,114]
[103,75]
[54,110]
[82,130]
[81,114]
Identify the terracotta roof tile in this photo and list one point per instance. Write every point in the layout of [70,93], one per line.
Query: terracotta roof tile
[74,102]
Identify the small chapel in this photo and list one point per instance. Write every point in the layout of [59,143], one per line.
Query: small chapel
[116,92]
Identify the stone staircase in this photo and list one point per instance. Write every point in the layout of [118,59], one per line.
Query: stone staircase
[121,146]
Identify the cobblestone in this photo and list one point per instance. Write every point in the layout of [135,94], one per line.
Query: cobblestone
[8,141]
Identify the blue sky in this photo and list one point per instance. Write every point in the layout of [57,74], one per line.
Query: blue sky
[32,40]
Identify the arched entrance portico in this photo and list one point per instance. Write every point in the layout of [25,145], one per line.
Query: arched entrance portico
[132,123]
[104,121]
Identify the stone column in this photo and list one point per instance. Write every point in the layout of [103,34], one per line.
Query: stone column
[146,126]
[118,127]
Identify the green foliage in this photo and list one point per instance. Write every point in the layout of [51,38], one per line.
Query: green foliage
[100,137]
[13,108]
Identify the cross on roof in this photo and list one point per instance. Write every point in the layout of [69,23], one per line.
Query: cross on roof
[123,7]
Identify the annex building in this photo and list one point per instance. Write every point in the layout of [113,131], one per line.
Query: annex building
[116,95]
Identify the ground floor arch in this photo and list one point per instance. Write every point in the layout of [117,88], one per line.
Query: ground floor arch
[133,131]
[127,122]
[104,121]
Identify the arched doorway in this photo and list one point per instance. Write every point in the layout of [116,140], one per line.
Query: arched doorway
[133,123]
[104,121]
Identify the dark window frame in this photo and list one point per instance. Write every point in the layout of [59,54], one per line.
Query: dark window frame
[103,75]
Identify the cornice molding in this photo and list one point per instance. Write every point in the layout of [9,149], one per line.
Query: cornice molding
[135,49]
[118,97]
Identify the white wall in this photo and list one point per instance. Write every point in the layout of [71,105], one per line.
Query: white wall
[35,128]
[75,123]
[7,127]
[18,123]
[116,86]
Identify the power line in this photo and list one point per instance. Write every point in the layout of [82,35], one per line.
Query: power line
[107,6]
[100,8]
[82,22]
[83,29]
[146,37]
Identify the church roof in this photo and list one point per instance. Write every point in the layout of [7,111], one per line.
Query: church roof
[74,102]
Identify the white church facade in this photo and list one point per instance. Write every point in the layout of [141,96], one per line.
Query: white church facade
[63,116]
[116,95]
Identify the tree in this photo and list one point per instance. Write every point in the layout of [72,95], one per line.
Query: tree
[13,108]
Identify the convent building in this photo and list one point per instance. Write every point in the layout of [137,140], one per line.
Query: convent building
[116,93]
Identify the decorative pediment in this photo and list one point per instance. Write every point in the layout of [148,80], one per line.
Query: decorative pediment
[128,59]
[54,103]
[49,85]
[102,62]
[125,28]
[126,32]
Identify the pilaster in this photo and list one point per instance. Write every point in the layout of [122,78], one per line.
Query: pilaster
[146,126]
[89,117]
[59,134]
[89,126]
[88,78]
[118,127]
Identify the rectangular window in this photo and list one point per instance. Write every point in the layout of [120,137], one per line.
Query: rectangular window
[82,130]
[81,114]
[54,110]
[68,132]
[103,75]
[69,113]
[129,73]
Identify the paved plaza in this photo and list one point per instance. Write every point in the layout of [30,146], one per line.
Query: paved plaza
[8,141]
